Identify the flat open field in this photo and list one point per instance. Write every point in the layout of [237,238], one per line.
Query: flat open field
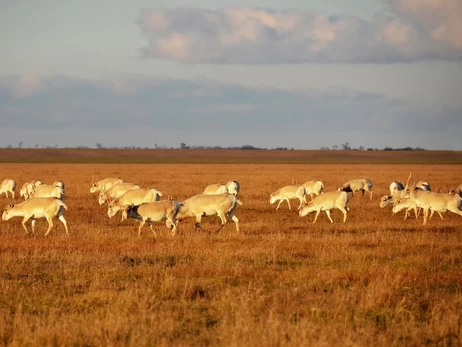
[376,280]
[224,156]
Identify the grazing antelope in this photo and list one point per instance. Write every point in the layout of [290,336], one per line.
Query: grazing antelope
[104,184]
[434,201]
[313,187]
[36,208]
[115,192]
[286,193]
[233,187]
[210,205]
[133,197]
[156,211]
[357,185]
[327,202]
[8,186]
[217,188]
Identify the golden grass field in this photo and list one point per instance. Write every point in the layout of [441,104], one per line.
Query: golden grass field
[283,281]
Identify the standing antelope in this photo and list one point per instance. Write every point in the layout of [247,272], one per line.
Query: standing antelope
[286,193]
[36,208]
[357,185]
[327,202]
[8,186]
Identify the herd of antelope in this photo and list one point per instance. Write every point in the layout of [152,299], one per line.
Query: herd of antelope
[146,205]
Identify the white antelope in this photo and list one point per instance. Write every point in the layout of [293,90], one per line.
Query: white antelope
[286,193]
[327,202]
[8,186]
[150,212]
[217,188]
[233,187]
[36,208]
[222,205]
[132,197]
[47,191]
[104,184]
[357,185]
[431,201]
[115,192]
[313,187]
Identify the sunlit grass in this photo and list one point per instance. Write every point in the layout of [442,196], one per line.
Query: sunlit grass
[376,280]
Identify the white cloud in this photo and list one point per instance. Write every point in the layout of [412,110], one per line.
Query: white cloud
[415,30]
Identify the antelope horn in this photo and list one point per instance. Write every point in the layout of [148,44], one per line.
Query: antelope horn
[409,178]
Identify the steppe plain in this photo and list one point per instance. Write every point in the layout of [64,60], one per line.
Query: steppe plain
[281,281]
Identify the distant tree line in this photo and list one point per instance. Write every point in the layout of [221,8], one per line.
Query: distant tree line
[344,146]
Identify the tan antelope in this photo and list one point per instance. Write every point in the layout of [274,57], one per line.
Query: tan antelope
[327,202]
[104,184]
[357,185]
[223,205]
[286,193]
[217,188]
[36,208]
[133,197]
[115,192]
[313,188]
[233,187]
[150,212]
[8,186]
[431,201]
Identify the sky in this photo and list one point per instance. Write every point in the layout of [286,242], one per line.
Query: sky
[301,74]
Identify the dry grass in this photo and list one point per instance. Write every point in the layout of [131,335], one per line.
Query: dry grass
[376,280]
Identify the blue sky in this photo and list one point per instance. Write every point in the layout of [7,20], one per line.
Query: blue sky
[298,74]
